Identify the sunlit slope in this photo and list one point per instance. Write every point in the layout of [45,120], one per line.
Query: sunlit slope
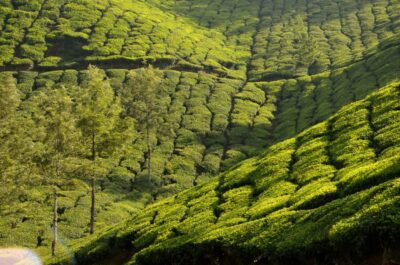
[257,39]
[235,81]
[339,32]
[121,34]
[217,123]
[325,193]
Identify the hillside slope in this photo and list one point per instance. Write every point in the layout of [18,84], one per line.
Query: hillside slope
[242,75]
[282,35]
[326,196]
[115,34]
[254,39]
[217,123]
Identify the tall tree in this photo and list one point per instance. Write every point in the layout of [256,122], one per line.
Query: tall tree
[52,112]
[55,219]
[16,145]
[10,96]
[143,98]
[98,110]
[9,102]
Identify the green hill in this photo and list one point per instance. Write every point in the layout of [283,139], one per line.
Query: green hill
[217,124]
[269,37]
[243,77]
[327,194]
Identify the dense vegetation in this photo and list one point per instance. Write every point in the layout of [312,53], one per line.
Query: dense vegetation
[236,78]
[329,190]
[271,37]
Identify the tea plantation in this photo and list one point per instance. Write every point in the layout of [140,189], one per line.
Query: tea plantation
[327,193]
[265,39]
[284,118]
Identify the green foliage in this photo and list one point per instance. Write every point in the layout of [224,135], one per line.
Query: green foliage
[98,111]
[10,121]
[144,100]
[10,99]
[52,112]
[238,78]
[143,97]
[224,38]
[216,123]
[42,147]
[261,207]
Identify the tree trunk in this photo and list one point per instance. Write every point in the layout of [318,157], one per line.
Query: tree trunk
[149,163]
[93,146]
[92,208]
[55,237]
[93,192]
[148,155]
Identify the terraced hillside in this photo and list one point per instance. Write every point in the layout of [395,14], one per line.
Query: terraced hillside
[289,38]
[241,76]
[258,39]
[326,196]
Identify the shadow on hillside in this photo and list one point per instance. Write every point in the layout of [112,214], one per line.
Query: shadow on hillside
[240,142]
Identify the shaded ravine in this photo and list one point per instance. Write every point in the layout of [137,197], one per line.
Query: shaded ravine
[245,82]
